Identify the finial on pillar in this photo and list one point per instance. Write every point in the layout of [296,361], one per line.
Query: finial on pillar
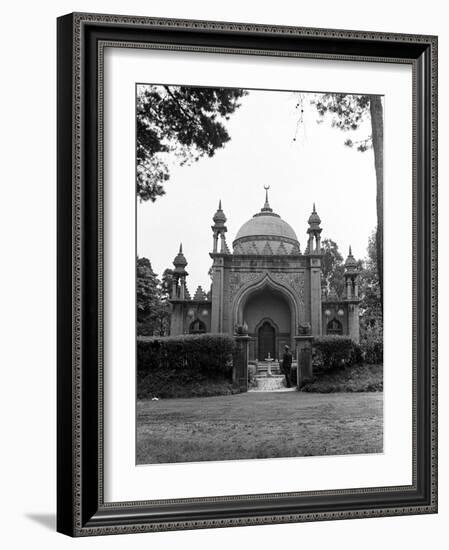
[180,262]
[314,219]
[350,263]
[219,218]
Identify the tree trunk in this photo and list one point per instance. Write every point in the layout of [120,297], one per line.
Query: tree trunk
[377,127]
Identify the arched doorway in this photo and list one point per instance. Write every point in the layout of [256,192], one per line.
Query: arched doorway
[334,327]
[266,341]
[197,327]
[269,317]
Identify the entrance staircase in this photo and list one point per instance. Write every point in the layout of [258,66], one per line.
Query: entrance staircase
[268,376]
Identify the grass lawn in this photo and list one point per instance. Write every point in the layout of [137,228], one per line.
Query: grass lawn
[258,425]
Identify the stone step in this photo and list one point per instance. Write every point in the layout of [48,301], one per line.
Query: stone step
[270,383]
[273,371]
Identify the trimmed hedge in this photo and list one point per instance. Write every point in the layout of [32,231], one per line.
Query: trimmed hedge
[333,351]
[183,366]
[357,378]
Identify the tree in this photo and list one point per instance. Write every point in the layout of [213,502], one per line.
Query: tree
[370,305]
[153,307]
[332,267]
[371,323]
[182,121]
[167,284]
[165,310]
[348,111]
[147,297]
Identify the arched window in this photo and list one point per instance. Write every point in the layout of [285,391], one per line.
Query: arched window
[197,327]
[334,327]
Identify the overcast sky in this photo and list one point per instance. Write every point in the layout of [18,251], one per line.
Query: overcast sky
[316,167]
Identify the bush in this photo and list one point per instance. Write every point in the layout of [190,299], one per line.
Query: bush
[358,378]
[357,356]
[333,351]
[182,366]
[372,347]
[371,343]
[210,353]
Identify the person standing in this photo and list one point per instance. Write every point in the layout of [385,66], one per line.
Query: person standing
[286,366]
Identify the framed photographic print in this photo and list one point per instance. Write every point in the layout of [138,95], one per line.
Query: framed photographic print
[247,284]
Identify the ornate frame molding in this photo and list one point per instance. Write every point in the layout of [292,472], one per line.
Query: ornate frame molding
[81,41]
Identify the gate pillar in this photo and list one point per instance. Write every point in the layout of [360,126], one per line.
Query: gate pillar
[304,359]
[240,370]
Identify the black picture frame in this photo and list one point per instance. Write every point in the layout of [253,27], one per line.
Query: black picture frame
[81,509]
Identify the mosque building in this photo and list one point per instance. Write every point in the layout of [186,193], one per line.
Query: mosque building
[267,285]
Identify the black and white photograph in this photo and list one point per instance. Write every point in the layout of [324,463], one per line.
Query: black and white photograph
[259,291]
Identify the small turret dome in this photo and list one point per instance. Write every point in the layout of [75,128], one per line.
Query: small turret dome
[180,262]
[314,219]
[219,216]
[350,263]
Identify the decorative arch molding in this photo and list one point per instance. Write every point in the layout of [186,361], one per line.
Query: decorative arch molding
[267,281]
[267,320]
[240,280]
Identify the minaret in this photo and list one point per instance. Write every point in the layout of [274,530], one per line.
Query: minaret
[179,291]
[352,295]
[221,256]
[314,253]
[351,277]
[314,232]
[219,229]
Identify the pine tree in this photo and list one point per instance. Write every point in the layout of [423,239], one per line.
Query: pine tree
[178,123]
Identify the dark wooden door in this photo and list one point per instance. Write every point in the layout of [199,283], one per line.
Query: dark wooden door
[266,341]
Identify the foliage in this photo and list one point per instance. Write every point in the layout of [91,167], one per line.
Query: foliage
[332,351]
[371,321]
[182,121]
[153,308]
[205,352]
[166,283]
[164,385]
[332,267]
[357,378]
[369,285]
[371,344]
[165,363]
[347,113]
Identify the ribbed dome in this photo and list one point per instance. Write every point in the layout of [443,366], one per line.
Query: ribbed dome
[266,233]
[268,224]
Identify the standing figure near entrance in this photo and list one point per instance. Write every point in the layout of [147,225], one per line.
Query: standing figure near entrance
[286,366]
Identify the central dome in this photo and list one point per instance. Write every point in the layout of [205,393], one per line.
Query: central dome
[270,225]
[266,233]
